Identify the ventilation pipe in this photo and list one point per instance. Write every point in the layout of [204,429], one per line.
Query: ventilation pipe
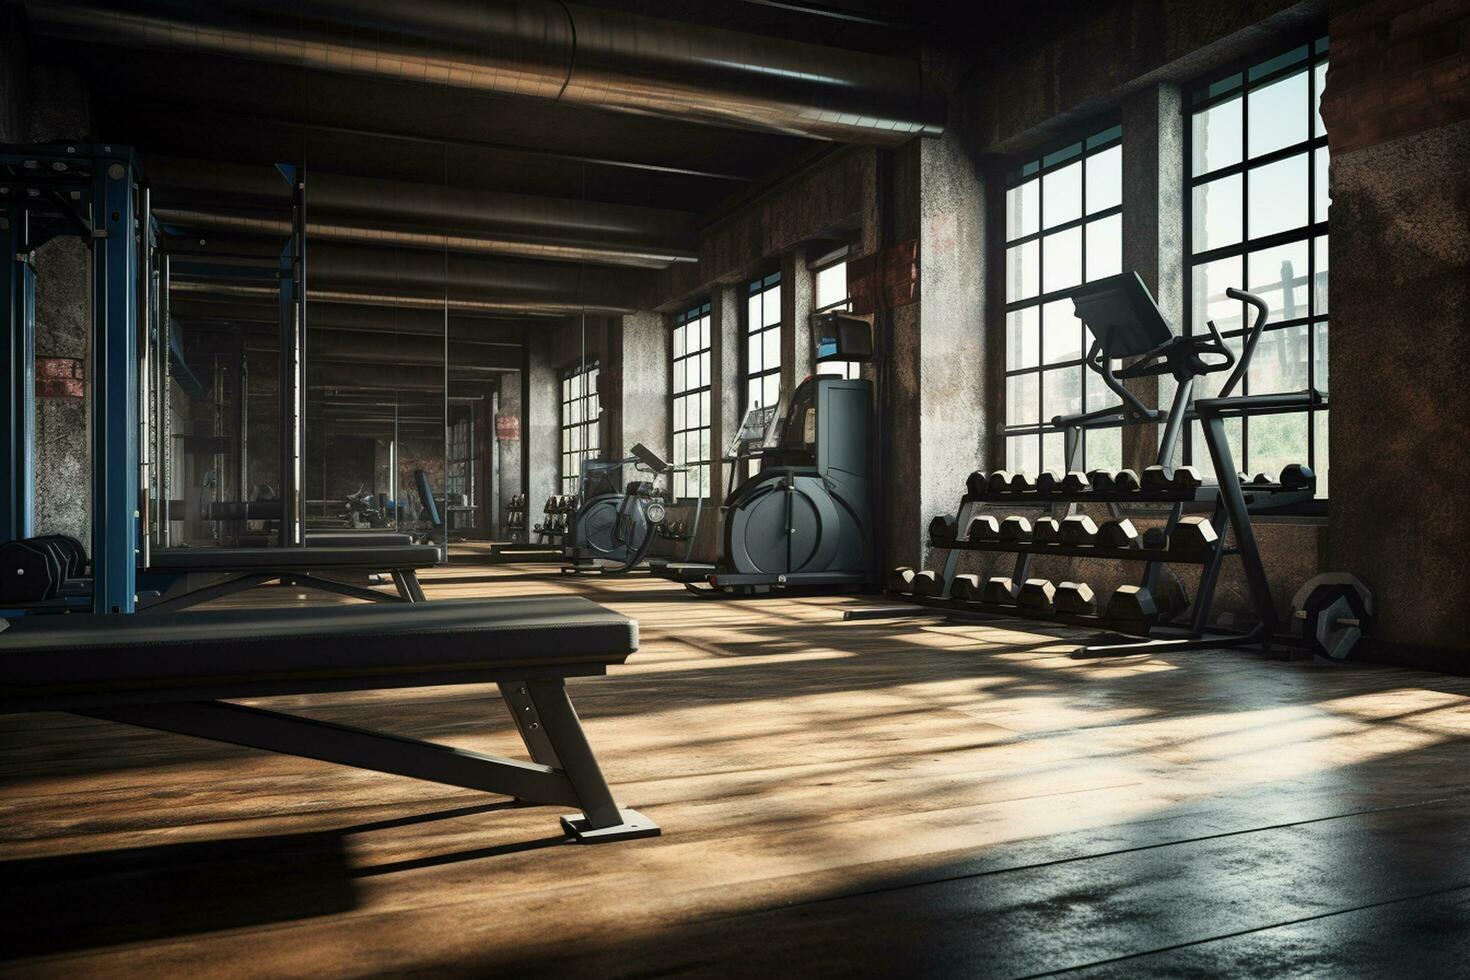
[543,51]
[202,196]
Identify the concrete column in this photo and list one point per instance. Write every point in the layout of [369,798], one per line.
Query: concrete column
[1154,131]
[1397,111]
[61,111]
[953,364]
[507,444]
[645,359]
[900,415]
[727,338]
[541,422]
[796,328]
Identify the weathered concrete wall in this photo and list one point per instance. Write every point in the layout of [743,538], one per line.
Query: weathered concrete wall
[507,445]
[1066,69]
[645,361]
[1397,109]
[1400,370]
[1153,232]
[899,414]
[835,198]
[60,110]
[541,421]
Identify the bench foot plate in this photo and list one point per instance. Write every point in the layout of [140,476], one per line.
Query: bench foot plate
[634,826]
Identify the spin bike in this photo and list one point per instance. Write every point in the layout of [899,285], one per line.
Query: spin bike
[615,528]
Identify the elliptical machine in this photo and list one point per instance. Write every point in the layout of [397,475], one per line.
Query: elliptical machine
[805,519]
[614,529]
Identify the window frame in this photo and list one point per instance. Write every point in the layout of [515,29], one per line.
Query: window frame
[761,287]
[570,483]
[850,370]
[679,484]
[1098,136]
[1218,89]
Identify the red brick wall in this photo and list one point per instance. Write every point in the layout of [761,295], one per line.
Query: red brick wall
[1398,67]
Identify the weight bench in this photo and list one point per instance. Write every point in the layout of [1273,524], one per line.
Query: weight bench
[250,567]
[170,672]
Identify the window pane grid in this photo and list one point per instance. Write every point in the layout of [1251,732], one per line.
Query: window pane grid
[762,340]
[581,409]
[690,401]
[1270,235]
[1063,229]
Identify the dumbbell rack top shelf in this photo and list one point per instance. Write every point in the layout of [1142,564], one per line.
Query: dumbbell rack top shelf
[1083,551]
[1264,496]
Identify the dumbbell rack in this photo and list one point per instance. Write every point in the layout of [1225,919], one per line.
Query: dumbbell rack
[1228,501]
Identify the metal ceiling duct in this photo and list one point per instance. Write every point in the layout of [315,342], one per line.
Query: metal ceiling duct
[401,301]
[541,50]
[198,195]
[424,323]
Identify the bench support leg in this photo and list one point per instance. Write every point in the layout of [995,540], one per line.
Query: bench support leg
[257,728]
[517,697]
[602,819]
[407,581]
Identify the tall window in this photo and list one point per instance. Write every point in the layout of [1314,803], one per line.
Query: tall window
[763,341]
[691,409]
[1064,227]
[459,467]
[580,411]
[829,289]
[1258,218]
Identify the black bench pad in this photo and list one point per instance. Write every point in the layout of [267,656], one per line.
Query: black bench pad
[370,558]
[72,661]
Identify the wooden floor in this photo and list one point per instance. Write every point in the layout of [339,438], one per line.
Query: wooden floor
[892,798]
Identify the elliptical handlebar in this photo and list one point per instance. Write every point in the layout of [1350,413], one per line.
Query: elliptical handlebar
[1262,310]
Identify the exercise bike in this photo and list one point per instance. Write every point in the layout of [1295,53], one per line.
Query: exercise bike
[615,528]
[804,520]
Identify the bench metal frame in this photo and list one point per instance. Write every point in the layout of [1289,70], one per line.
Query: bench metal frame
[563,770]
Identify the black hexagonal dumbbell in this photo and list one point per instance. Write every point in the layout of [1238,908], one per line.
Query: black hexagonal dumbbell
[1297,476]
[1173,479]
[929,583]
[943,529]
[1015,530]
[1046,530]
[1133,609]
[1000,590]
[965,587]
[1048,482]
[998,482]
[1078,531]
[983,528]
[901,579]
[1075,599]
[1192,535]
[1038,595]
[1119,533]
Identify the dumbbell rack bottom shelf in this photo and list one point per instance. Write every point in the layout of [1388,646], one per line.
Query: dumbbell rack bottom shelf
[1084,551]
[1162,637]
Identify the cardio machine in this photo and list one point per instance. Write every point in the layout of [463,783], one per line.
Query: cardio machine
[804,520]
[616,526]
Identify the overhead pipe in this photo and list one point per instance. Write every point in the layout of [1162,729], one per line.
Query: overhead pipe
[543,51]
[204,196]
[502,328]
[407,301]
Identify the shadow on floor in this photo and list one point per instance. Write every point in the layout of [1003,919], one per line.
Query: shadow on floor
[81,901]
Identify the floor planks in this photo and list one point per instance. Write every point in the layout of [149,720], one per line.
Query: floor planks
[883,797]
